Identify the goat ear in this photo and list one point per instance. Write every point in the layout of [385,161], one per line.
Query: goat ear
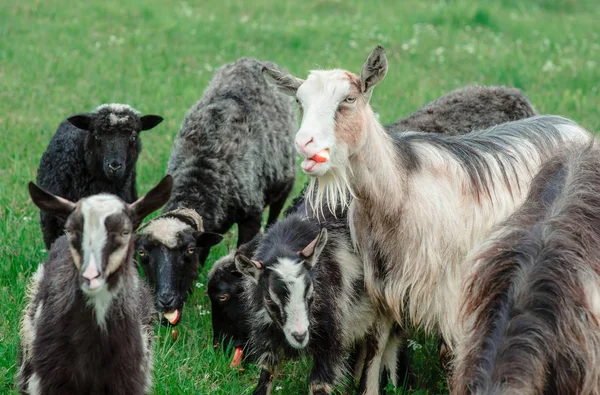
[311,252]
[248,267]
[153,200]
[373,70]
[285,82]
[150,121]
[50,203]
[81,121]
[207,239]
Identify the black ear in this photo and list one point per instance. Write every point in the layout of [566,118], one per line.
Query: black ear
[207,239]
[373,70]
[81,121]
[152,201]
[248,267]
[285,82]
[311,252]
[150,121]
[50,203]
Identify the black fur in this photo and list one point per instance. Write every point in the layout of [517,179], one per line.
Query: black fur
[78,160]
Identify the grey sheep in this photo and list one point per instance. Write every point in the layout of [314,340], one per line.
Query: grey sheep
[234,154]
[92,153]
[467,109]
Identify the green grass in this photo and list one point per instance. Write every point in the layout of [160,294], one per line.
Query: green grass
[58,58]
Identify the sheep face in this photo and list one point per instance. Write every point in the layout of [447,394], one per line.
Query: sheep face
[335,110]
[112,143]
[287,286]
[169,254]
[227,312]
[99,229]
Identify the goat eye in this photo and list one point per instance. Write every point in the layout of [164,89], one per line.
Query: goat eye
[191,250]
[133,137]
[142,252]
[97,137]
[223,297]
[350,99]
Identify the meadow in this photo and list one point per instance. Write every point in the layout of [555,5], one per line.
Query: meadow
[58,58]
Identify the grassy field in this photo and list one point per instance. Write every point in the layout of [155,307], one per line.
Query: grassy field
[58,58]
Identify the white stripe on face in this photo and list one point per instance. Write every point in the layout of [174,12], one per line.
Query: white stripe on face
[295,307]
[95,209]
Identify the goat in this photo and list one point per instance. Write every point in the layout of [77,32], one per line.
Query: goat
[531,306]
[420,201]
[167,249]
[92,153]
[87,324]
[303,291]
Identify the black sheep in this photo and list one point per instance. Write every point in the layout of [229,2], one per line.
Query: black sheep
[92,153]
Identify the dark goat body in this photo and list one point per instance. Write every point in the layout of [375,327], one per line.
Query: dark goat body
[71,353]
[87,326]
[92,153]
[531,307]
[234,153]
[339,312]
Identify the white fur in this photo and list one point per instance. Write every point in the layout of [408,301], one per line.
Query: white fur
[442,214]
[116,107]
[165,230]
[101,302]
[296,309]
[115,119]
[33,385]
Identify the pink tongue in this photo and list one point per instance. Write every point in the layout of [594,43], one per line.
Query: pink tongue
[308,164]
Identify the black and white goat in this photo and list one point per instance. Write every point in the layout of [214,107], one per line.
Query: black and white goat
[87,325]
[421,200]
[168,253]
[304,293]
[531,308]
[92,153]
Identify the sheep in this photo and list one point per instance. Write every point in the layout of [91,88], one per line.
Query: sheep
[457,112]
[92,153]
[167,250]
[466,109]
[420,201]
[87,324]
[232,157]
[531,310]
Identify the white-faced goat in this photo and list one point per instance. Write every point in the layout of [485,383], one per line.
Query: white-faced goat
[532,305]
[92,153]
[168,253]
[304,293]
[87,325]
[421,200]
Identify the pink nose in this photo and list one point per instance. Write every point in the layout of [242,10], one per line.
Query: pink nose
[301,143]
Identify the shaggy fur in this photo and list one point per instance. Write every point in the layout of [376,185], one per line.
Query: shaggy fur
[234,153]
[421,201]
[457,112]
[466,109]
[92,153]
[87,324]
[532,305]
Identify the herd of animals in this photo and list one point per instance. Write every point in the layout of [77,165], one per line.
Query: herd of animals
[474,218]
